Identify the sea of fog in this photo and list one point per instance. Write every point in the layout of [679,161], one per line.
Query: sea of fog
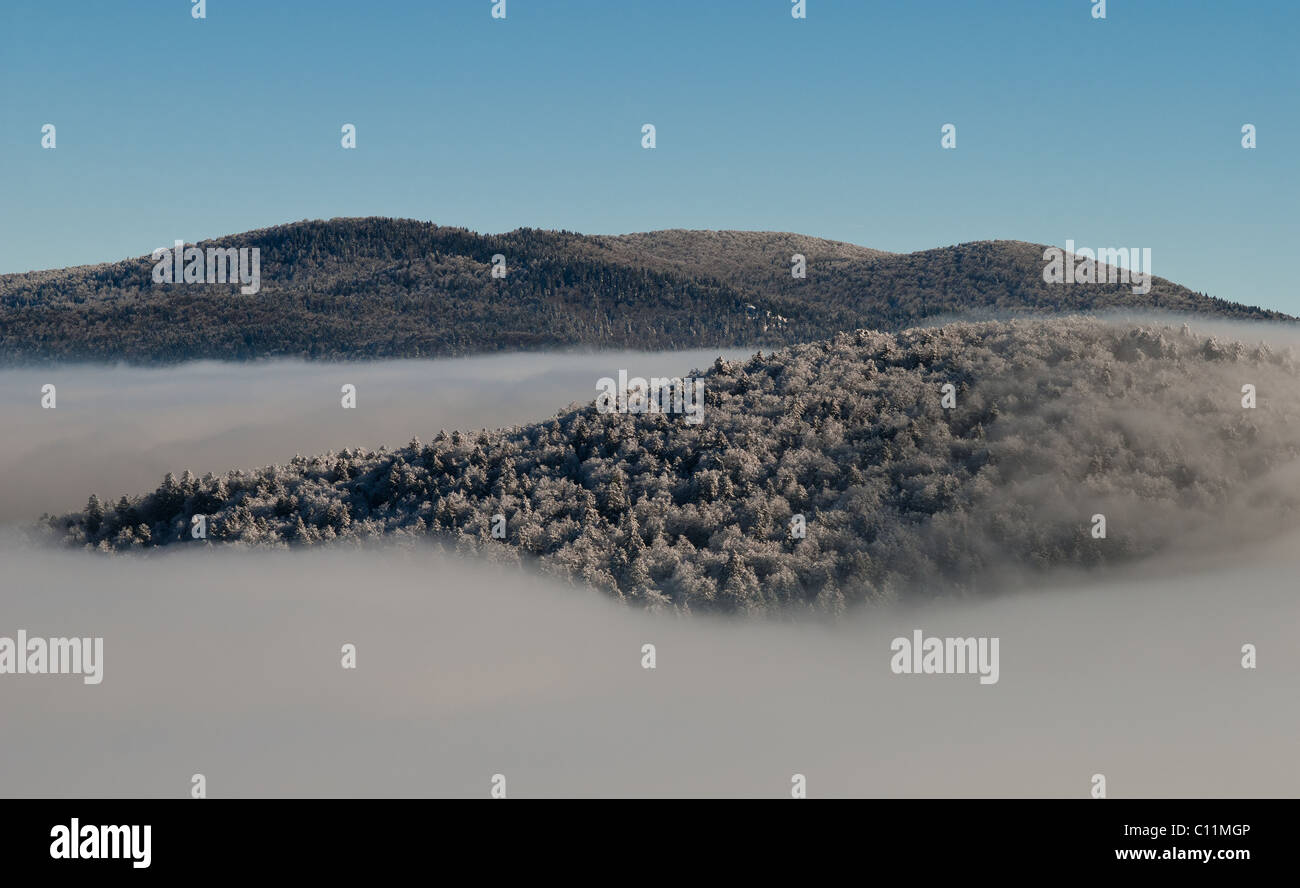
[227,662]
[229,665]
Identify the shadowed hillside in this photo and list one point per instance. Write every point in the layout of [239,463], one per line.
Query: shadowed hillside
[1055,422]
[371,288]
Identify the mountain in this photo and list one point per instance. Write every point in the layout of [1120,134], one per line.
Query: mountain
[1052,423]
[371,288]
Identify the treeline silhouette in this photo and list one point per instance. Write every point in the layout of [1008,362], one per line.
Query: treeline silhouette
[386,288]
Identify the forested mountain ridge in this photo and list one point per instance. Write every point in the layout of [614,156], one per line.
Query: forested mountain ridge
[1053,423]
[383,288]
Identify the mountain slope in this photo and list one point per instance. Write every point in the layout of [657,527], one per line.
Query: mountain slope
[368,288]
[1055,422]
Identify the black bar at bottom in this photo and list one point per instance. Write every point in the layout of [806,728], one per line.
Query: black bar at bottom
[336,838]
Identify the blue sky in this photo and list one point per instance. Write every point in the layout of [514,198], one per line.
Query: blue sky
[1120,132]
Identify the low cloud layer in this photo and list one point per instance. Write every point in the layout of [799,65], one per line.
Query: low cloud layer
[228,664]
[119,430]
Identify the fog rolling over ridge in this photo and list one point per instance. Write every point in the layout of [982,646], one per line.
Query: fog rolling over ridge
[118,430]
[1067,442]
[225,660]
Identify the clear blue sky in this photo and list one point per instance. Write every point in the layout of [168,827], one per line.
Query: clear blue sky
[1122,132]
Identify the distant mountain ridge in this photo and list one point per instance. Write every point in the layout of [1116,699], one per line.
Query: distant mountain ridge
[387,288]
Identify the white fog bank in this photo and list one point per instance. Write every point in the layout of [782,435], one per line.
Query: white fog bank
[228,664]
[118,430]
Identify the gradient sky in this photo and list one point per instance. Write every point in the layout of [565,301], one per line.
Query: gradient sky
[1122,132]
